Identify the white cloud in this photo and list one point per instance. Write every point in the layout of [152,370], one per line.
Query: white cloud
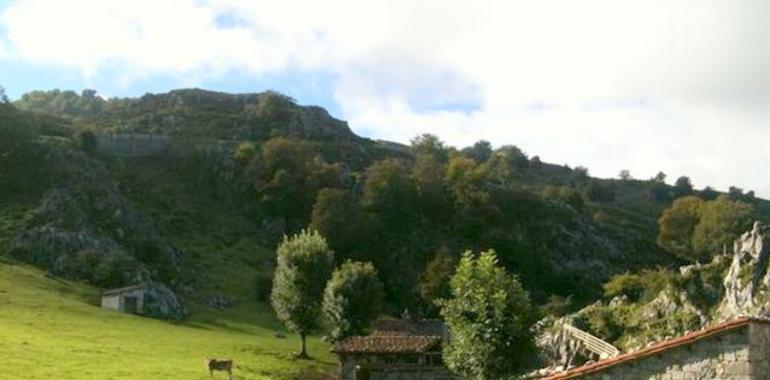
[675,86]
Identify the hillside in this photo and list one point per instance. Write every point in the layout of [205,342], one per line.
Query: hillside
[58,326]
[201,209]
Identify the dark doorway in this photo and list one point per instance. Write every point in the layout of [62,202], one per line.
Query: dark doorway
[130,305]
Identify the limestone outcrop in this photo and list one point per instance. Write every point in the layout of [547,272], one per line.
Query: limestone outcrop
[747,283]
[731,285]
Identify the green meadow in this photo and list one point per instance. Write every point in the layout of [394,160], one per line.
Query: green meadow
[55,329]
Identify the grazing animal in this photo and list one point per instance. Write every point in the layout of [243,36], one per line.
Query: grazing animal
[220,365]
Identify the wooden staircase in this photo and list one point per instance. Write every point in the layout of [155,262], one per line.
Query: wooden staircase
[591,342]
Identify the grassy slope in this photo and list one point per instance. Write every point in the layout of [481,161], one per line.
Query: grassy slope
[53,329]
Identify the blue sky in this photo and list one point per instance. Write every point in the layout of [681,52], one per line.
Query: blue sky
[679,87]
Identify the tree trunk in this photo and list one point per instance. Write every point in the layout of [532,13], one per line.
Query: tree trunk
[303,348]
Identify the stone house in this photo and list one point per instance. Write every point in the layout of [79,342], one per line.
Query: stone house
[738,350]
[125,300]
[397,349]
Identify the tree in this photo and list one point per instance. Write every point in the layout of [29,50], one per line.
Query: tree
[481,151]
[682,187]
[659,178]
[352,300]
[304,265]
[434,282]
[695,229]
[721,222]
[677,224]
[708,193]
[488,315]
[390,193]
[430,144]
[428,176]
[337,216]
[88,141]
[3,96]
[625,175]
[580,174]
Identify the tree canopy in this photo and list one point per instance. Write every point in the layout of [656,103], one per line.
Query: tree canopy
[488,315]
[304,262]
[352,300]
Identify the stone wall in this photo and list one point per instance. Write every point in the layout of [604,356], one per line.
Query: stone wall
[131,144]
[724,356]
[759,350]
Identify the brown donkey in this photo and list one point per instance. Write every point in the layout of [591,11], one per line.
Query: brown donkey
[220,365]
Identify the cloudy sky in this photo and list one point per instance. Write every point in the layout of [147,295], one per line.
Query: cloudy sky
[681,87]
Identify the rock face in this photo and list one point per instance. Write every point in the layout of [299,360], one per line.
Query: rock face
[86,211]
[732,285]
[161,302]
[85,229]
[747,282]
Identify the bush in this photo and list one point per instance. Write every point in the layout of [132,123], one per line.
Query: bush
[105,269]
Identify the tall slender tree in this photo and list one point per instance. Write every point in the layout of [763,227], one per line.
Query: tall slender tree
[305,263]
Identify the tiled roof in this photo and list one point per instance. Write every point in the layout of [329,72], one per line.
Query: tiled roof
[425,327]
[381,344]
[655,348]
[124,290]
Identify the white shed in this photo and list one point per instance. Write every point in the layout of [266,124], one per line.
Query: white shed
[125,300]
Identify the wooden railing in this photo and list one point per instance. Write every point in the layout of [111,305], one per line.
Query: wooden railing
[591,342]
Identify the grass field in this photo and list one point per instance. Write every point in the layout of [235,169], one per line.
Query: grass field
[54,329]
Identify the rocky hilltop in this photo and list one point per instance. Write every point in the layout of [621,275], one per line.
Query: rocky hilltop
[733,284]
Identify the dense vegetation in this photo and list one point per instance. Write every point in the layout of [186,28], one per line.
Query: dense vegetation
[243,171]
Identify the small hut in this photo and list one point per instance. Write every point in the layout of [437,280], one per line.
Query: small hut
[125,300]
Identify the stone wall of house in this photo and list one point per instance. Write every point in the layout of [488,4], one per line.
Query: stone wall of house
[725,356]
[111,302]
[759,350]
[371,367]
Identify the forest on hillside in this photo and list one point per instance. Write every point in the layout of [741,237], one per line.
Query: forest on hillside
[279,168]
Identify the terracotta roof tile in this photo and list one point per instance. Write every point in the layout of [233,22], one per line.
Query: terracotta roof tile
[381,344]
[655,348]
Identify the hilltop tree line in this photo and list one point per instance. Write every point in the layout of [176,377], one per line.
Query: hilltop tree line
[405,215]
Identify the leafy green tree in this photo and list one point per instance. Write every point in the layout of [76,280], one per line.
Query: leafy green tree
[580,174]
[708,193]
[659,191]
[305,262]
[625,175]
[488,315]
[3,96]
[682,187]
[506,165]
[428,176]
[677,225]
[245,152]
[287,175]
[434,282]
[338,217]
[88,141]
[429,144]
[390,193]
[481,151]
[721,222]
[352,300]
[659,178]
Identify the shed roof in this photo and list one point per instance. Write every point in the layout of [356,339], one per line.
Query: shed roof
[420,327]
[384,344]
[126,289]
[665,345]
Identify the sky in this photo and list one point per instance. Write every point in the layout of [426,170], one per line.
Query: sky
[681,87]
